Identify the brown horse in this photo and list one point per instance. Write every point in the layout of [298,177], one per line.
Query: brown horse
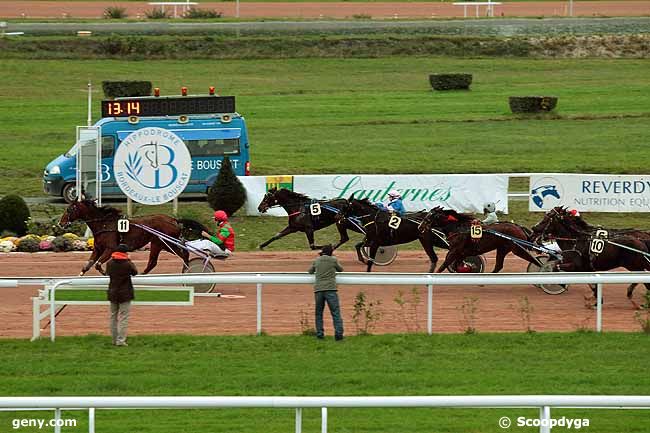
[574,236]
[461,245]
[102,221]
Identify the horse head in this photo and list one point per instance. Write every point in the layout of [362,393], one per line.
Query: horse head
[269,200]
[77,210]
[556,222]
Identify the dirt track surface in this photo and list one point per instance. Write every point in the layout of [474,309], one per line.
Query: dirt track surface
[498,307]
[377,10]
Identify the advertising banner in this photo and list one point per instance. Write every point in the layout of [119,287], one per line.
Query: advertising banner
[590,192]
[464,193]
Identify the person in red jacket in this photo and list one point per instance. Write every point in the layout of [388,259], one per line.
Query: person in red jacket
[222,243]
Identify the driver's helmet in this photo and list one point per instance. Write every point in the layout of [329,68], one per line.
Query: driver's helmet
[220,216]
[393,194]
[463,268]
[489,207]
[574,213]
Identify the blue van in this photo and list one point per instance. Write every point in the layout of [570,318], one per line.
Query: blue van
[209,126]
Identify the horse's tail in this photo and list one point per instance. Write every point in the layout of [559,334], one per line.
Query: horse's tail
[191,228]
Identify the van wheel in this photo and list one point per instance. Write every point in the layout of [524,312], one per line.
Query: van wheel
[69,193]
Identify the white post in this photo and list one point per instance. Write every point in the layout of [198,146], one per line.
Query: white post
[570,8]
[57,420]
[259,307]
[175,207]
[91,420]
[236,8]
[52,312]
[298,420]
[429,309]
[545,419]
[90,103]
[36,318]
[599,307]
[323,421]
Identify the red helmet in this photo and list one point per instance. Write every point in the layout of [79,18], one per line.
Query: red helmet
[574,212]
[463,268]
[220,215]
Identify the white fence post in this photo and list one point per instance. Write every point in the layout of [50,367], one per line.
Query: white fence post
[545,419]
[91,420]
[57,420]
[323,421]
[429,309]
[259,307]
[36,318]
[599,307]
[298,420]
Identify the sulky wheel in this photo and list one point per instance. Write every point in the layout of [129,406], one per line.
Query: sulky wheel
[384,257]
[197,265]
[547,266]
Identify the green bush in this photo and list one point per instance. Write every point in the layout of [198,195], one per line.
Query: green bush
[29,245]
[114,13]
[532,104]
[195,13]
[450,81]
[14,214]
[156,14]
[227,193]
[62,244]
[121,89]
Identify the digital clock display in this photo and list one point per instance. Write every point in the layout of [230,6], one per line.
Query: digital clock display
[168,106]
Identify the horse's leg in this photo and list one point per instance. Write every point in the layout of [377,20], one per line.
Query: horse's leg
[91,261]
[106,254]
[310,237]
[371,256]
[358,247]
[502,251]
[287,230]
[343,235]
[156,248]
[451,258]
[428,248]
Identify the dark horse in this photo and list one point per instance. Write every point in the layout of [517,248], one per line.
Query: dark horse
[461,245]
[375,222]
[102,221]
[302,216]
[574,236]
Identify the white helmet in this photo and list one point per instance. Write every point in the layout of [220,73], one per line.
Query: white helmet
[490,207]
[394,194]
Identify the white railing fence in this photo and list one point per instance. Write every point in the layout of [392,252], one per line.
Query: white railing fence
[542,402]
[357,278]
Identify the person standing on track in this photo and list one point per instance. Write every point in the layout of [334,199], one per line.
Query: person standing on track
[120,292]
[325,268]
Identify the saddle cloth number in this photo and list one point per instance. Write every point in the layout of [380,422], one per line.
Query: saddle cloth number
[476,231]
[123,226]
[315,209]
[394,222]
[597,246]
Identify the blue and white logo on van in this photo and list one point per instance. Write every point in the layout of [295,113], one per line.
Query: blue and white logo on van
[152,165]
[546,193]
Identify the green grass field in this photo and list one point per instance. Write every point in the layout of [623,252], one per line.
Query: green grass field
[140,295]
[572,363]
[359,115]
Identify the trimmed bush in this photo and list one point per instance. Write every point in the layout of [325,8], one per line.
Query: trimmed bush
[532,104]
[62,244]
[114,13]
[227,193]
[29,245]
[156,14]
[122,89]
[195,13]
[450,81]
[14,214]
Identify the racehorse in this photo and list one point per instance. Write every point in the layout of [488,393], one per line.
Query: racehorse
[379,233]
[102,221]
[574,236]
[461,245]
[306,215]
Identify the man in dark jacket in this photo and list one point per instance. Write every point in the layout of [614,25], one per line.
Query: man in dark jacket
[325,268]
[120,292]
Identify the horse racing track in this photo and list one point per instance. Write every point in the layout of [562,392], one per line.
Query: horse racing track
[289,309]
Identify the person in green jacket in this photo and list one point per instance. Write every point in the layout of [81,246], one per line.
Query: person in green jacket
[325,268]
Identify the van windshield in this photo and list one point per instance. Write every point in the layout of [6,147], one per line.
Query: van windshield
[72,152]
